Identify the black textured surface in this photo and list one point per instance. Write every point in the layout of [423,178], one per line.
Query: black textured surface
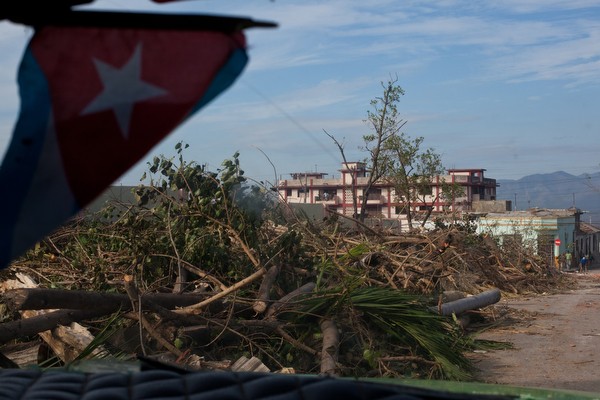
[161,384]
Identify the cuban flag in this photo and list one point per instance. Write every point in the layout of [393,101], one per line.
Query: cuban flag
[94,101]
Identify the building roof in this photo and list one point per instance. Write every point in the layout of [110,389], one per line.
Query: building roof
[301,175]
[466,169]
[537,213]
[588,228]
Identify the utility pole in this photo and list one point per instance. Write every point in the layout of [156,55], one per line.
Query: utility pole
[515,202]
[305,186]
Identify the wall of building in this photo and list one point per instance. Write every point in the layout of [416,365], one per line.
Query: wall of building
[587,242]
[533,229]
[491,206]
[338,194]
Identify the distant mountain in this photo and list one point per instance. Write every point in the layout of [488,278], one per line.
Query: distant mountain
[555,190]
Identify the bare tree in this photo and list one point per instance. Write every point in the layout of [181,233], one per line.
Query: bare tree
[394,158]
[411,172]
[340,147]
[385,123]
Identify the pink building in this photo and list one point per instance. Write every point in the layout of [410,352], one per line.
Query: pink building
[337,194]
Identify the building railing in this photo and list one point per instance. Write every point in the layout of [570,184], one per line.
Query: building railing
[374,199]
[362,181]
[328,199]
[310,182]
[455,178]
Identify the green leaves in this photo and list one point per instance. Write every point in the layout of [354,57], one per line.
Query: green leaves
[180,146]
[186,214]
[192,210]
[399,320]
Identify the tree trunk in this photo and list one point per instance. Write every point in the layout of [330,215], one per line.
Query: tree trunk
[43,322]
[470,303]
[41,299]
[285,301]
[23,354]
[331,343]
[262,301]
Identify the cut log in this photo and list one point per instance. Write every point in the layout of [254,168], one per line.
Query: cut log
[68,341]
[6,362]
[41,299]
[470,303]
[32,324]
[452,295]
[331,343]
[262,299]
[23,354]
[253,364]
[286,300]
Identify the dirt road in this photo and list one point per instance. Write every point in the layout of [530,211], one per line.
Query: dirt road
[556,340]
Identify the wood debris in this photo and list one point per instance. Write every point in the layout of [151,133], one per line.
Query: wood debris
[214,316]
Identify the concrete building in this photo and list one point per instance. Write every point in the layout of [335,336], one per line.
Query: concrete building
[547,232]
[337,194]
[587,242]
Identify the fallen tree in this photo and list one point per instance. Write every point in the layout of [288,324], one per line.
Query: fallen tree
[267,286]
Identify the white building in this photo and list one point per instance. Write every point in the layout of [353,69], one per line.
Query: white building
[545,231]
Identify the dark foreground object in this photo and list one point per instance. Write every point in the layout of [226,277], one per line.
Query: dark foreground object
[161,384]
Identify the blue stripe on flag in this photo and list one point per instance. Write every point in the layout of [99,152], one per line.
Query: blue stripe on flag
[224,78]
[22,157]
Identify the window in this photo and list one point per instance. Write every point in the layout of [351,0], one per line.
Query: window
[400,210]
[326,195]
[374,194]
[425,190]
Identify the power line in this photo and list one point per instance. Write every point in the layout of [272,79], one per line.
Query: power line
[292,120]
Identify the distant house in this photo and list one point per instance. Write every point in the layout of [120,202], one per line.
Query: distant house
[587,242]
[114,195]
[547,232]
[337,194]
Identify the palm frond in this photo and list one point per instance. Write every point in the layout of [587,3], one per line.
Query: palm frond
[405,319]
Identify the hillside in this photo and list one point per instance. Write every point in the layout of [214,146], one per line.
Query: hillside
[555,190]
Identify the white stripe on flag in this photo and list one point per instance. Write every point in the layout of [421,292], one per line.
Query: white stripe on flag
[49,201]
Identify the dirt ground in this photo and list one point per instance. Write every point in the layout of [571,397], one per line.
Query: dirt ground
[556,340]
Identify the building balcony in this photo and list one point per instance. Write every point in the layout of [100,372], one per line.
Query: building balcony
[310,183]
[456,178]
[329,200]
[374,199]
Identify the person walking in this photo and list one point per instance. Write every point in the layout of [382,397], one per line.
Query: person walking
[568,260]
[583,264]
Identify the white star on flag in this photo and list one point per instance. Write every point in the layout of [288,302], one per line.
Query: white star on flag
[123,87]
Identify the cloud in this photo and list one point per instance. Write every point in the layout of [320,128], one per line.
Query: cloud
[524,48]
[522,45]
[321,66]
[530,6]
[301,101]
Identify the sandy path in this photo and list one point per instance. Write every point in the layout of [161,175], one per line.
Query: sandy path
[556,341]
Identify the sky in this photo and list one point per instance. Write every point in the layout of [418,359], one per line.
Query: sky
[511,86]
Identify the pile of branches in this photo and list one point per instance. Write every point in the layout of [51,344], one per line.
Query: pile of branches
[451,259]
[199,273]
